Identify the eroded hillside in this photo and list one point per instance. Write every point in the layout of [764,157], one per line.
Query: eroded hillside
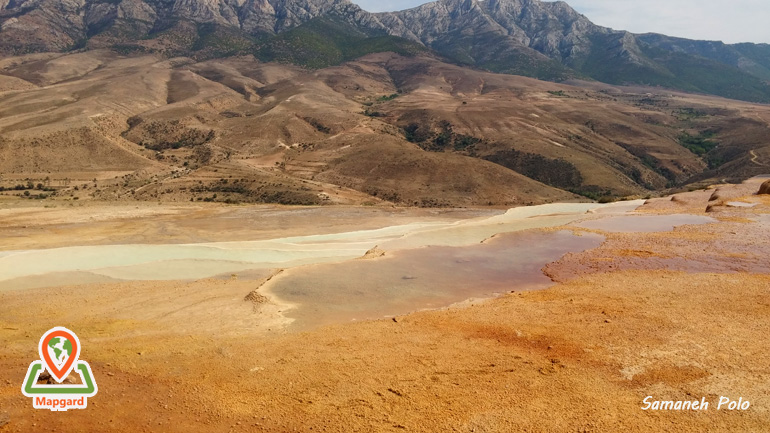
[384,128]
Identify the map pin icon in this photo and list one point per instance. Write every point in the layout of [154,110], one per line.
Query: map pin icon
[59,350]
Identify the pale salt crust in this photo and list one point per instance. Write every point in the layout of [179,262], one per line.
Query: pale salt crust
[195,261]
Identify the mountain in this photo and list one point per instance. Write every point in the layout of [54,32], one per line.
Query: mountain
[550,40]
[56,25]
[513,36]
[546,40]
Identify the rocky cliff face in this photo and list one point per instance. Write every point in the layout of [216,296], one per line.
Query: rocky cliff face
[547,40]
[514,36]
[38,25]
[554,29]
[550,40]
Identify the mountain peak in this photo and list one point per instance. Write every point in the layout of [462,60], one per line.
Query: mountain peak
[547,40]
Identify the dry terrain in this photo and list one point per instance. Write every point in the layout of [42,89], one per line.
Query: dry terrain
[33,225]
[674,315]
[159,130]
[382,129]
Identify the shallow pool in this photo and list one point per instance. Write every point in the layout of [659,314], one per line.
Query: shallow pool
[643,223]
[423,278]
[194,261]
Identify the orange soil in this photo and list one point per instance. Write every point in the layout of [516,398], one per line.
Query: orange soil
[625,322]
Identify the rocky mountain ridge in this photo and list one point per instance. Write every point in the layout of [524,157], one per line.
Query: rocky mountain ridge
[546,40]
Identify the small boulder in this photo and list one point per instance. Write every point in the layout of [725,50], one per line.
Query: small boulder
[764,188]
[256,298]
[373,253]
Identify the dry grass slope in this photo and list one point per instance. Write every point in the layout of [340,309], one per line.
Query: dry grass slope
[406,130]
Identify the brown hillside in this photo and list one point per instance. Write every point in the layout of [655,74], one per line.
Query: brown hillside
[410,130]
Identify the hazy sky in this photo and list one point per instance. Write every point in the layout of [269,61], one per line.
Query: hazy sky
[730,21]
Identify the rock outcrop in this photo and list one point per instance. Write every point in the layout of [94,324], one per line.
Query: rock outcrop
[764,188]
[56,25]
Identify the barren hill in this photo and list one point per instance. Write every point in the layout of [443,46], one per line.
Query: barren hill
[411,130]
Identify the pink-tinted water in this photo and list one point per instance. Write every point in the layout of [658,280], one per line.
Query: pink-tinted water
[424,278]
[643,223]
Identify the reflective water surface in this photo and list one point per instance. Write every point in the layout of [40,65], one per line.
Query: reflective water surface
[194,261]
[430,277]
[427,264]
[643,223]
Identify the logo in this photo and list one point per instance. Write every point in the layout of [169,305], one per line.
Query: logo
[59,351]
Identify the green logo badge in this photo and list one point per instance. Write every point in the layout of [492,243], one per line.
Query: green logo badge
[59,351]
